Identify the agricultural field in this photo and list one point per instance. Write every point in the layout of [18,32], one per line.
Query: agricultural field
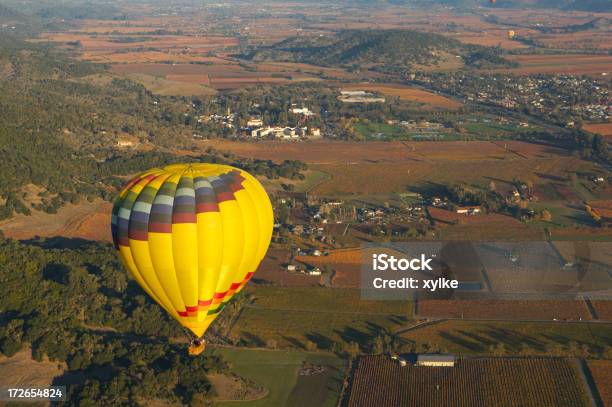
[503,309]
[273,270]
[293,329]
[539,338]
[356,167]
[323,299]
[217,76]
[601,370]
[279,373]
[492,38]
[603,308]
[345,263]
[581,234]
[378,380]
[328,317]
[593,65]
[421,97]
[172,62]
[604,129]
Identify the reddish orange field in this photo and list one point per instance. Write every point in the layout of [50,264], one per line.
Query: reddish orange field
[603,309]
[86,221]
[358,167]
[491,39]
[345,262]
[408,93]
[602,374]
[604,129]
[527,382]
[448,217]
[593,65]
[273,269]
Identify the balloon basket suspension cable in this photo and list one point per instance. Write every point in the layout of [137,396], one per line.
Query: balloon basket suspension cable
[196,346]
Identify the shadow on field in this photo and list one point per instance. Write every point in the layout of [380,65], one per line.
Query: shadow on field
[293,341]
[253,339]
[322,341]
[60,242]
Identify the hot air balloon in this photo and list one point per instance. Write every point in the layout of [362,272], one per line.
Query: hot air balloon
[192,235]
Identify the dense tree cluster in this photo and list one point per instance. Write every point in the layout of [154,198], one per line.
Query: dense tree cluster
[78,306]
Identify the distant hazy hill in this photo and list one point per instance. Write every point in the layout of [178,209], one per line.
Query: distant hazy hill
[583,5]
[21,10]
[600,23]
[9,15]
[389,48]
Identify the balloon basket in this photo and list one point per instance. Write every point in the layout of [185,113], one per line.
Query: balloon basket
[195,348]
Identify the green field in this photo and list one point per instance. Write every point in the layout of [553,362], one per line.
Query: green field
[379,131]
[496,130]
[328,317]
[321,299]
[469,337]
[562,215]
[278,371]
[313,178]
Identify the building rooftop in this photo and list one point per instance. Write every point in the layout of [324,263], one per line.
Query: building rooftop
[435,358]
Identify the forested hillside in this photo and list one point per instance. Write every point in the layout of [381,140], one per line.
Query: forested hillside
[78,306]
[390,49]
[582,5]
[61,119]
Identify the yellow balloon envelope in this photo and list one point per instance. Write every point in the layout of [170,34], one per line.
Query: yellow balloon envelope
[192,235]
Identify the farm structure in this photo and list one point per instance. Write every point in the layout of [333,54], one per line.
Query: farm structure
[435,360]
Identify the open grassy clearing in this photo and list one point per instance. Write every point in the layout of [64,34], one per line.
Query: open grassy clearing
[278,371]
[86,221]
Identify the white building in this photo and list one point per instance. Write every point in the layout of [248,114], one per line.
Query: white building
[314,272]
[304,111]
[436,360]
[468,210]
[283,133]
[254,123]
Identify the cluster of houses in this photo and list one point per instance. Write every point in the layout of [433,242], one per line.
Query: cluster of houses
[225,120]
[546,94]
[310,271]
[257,129]
[282,133]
